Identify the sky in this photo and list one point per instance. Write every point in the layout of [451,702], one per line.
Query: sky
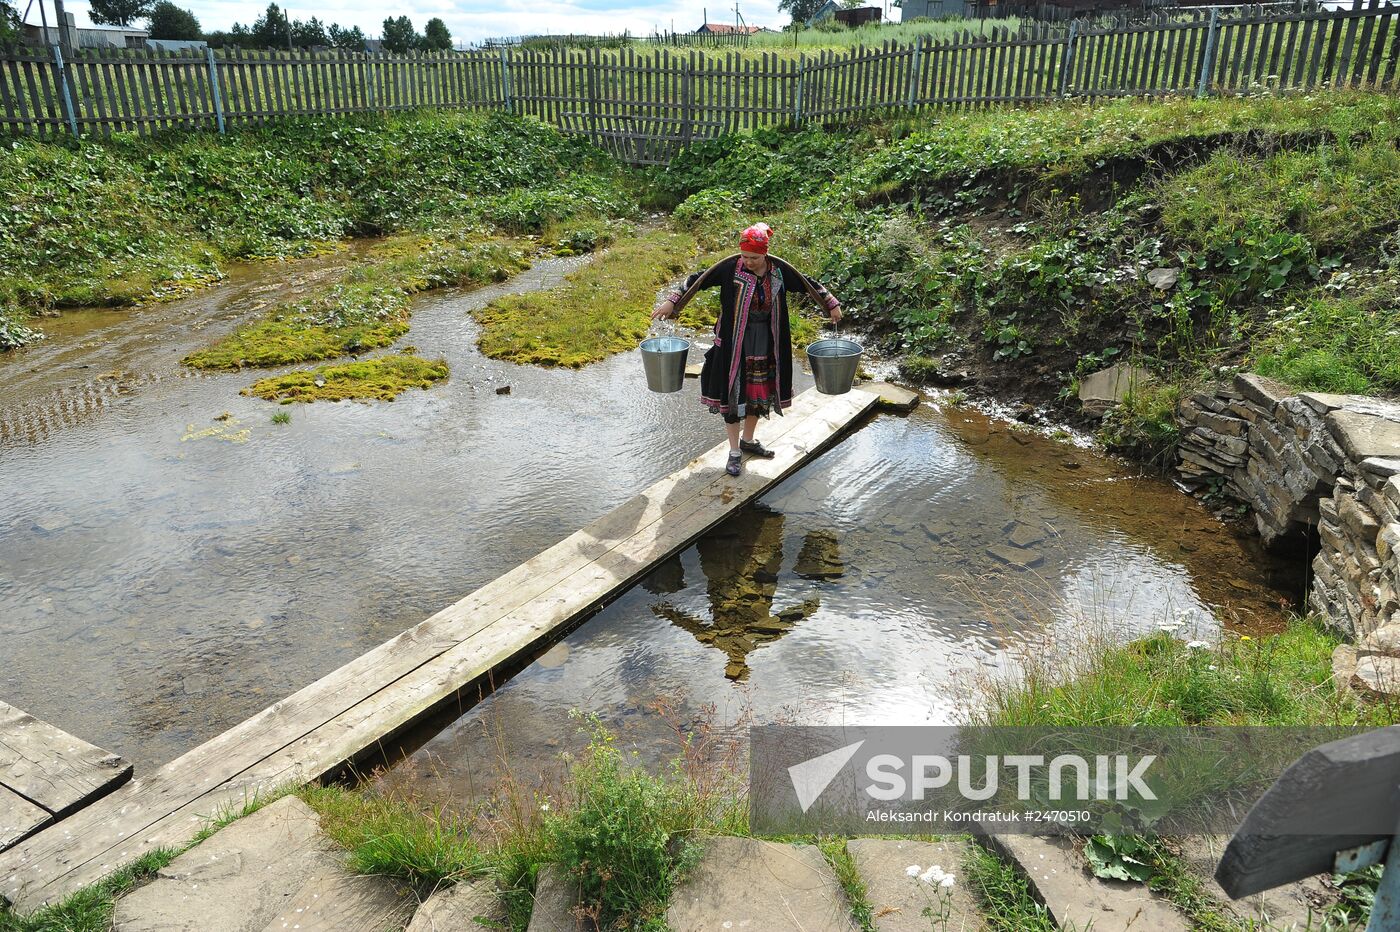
[478,19]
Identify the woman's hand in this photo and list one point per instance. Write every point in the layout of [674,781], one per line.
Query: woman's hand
[835,315]
[666,309]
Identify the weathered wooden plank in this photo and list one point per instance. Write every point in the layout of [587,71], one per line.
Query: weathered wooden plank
[1291,832]
[50,767]
[18,817]
[350,710]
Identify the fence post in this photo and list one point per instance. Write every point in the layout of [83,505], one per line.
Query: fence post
[591,55]
[1067,63]
[1208,53]
[214,88]
[61,75]
[687,109]
[801,83]
[913,100]
[505,79]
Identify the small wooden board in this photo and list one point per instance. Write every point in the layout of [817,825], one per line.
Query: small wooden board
[46,773]
[371,698]
[1318,807]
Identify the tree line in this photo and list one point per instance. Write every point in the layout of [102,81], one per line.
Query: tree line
[274,29]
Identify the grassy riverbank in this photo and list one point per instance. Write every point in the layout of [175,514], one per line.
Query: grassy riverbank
[1277,680]
[127,220]
[367,305]
[1016,244]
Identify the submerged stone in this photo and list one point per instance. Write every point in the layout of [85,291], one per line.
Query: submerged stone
[1013,556]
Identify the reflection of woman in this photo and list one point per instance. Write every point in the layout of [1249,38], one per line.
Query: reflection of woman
[748,371]
[741,561]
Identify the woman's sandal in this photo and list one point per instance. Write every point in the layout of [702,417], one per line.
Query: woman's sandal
[755,448]
[735,458]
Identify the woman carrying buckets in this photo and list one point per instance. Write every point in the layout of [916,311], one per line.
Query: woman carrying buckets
[748,371]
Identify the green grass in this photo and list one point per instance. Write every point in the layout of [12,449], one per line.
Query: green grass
[1272,679]
[1056,142]
[386,835]
[368,306]
[602,308]
[90,909]
[1337,195]
[119,221]
[1003,894]
[383,378]
[833,849]
[1347,342]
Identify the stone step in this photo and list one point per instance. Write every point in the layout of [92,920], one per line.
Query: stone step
[1076,898]
[1293,907]
[556,899]
[464,907]
[268,872]
[744,883]
[898,899]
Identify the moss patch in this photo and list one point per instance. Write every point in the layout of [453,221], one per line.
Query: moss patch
[383,378]
[603,308]
[367,307]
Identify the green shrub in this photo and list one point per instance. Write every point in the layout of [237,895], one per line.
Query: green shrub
[14,332]
[624,839]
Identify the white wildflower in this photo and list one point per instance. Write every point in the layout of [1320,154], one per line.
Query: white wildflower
[933,875]
[1197,645]
[912,870]
[947,882]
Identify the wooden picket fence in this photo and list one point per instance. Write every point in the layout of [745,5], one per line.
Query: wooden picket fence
[644,105]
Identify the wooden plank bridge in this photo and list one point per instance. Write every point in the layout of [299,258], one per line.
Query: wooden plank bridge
[355,710]
[46,773]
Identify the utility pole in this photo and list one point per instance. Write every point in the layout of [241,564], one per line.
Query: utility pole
[63,39]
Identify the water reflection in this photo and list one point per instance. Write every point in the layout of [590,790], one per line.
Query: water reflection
[742,562]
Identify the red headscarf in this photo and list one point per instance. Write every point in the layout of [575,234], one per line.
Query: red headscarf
[755,239]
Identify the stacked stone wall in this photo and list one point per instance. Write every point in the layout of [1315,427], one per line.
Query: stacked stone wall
[1315,469]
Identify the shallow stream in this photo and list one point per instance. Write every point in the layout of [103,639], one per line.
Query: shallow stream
[166,571]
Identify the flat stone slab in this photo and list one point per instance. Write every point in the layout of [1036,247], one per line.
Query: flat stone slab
[897,900]
[1019,557]
[759,886]
[461,908]
[893,396]
[270,871]
[1079,900]
[1107,387]
[1364,434]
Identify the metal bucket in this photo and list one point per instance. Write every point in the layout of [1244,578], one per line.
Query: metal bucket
[664,360]
[834,364]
